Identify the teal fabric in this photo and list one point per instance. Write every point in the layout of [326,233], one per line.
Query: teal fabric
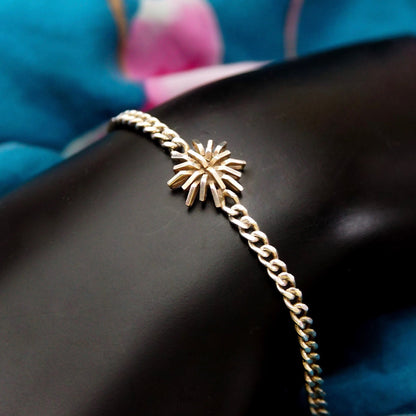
[255,31]
[330,24]
[20,162]
[252,32]
[381,377]
[58,78]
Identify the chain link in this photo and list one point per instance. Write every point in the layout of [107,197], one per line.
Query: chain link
[138,120]
[292,297]
[266,254]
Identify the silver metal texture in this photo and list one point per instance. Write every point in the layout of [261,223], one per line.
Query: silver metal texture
[210,168]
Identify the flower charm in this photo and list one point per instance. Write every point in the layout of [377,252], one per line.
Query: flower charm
[206,168]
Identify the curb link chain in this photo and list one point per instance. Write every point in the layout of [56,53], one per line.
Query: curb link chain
[292,297]
[266,254]
[167,138]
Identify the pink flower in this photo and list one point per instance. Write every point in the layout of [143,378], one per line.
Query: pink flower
[168,36]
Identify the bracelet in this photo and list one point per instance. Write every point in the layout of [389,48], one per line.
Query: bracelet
[211,170]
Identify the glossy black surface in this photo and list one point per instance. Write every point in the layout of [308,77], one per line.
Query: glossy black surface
[117,300]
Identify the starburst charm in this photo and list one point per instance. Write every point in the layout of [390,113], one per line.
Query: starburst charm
[204,169]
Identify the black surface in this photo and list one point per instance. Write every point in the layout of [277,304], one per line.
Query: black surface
[117,300]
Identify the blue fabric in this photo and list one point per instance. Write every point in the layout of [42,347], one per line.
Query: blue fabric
[252,32]
[380,380]
[255,31]
[58,77]
[329,24]
[19,162]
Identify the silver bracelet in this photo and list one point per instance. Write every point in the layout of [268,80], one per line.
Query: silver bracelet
[210,170]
